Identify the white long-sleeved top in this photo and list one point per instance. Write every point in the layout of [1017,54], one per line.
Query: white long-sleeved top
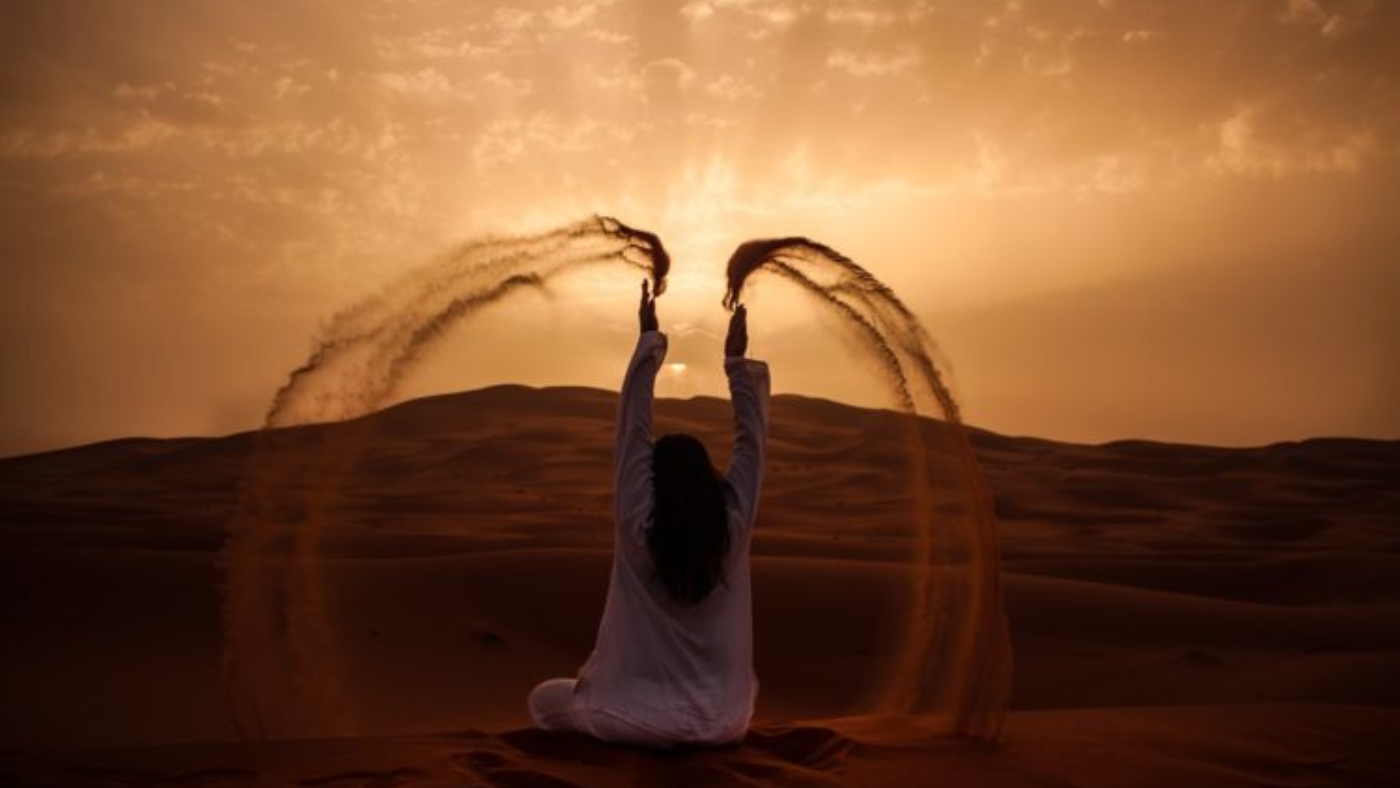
[681,672]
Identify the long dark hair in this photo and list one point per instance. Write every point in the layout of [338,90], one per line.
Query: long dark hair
[689,535]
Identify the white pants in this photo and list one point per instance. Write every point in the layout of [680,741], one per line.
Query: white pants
[555,705]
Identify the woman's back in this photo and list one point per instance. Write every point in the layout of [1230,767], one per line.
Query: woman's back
[666,669]
[682,670]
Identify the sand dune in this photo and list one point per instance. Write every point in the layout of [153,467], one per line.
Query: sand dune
[1180,614]
[1094,748]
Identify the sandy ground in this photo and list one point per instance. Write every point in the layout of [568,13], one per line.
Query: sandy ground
[1181,615]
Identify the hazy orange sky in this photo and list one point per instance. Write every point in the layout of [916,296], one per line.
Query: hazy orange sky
[1173,220]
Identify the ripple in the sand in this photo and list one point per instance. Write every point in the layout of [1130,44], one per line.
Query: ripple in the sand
[498,770]
[814,748]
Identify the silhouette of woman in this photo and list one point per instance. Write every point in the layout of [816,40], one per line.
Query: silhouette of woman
[673,660]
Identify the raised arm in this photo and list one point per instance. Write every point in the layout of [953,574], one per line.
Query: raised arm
[748,394]
[632,445]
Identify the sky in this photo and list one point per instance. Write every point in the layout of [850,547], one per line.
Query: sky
[1165,220]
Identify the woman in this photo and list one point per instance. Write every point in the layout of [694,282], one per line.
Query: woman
[673,662]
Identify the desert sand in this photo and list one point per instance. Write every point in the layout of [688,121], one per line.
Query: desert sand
[1181,615]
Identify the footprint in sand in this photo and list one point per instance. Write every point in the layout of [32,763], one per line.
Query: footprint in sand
[497,770]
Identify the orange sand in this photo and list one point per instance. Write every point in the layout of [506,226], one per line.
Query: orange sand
[1181,615]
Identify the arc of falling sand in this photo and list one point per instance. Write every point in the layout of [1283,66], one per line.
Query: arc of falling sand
[502,256]
[304,626]
[976,686]
[275,607]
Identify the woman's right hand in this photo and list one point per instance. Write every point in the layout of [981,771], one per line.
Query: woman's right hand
[737,342]
[646,313]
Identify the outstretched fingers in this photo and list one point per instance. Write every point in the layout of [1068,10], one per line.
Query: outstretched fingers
[737,342]
[646,312]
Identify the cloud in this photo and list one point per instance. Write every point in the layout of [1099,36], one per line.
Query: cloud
[516,87]
[1140,36]
[997,170]
[139,134]
[668,72]
[512,19]
[776,14]
[1109,174]
[1010,11]
[126,184]
[664,77]
[860,15]
[1329,24]
[145,93]
[1054,58]
[427,84]
[773,13]
[608,36]
[287,87]
[511,140]
[874,64]
[292,136]
[1302,11]
[563,16]
[1241,150]
[440,44]
[697,11]
[870,16]
[704,120]
[731,89]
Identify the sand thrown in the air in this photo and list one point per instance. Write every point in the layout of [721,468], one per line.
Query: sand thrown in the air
[285,670]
